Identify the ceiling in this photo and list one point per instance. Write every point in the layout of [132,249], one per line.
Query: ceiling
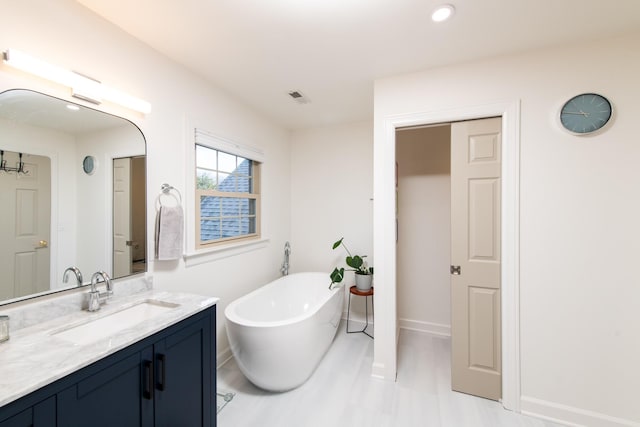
[333,50]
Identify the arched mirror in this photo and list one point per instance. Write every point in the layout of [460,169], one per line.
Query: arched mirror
[72,194]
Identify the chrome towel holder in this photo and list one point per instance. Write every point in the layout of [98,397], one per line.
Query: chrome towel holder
[168,190]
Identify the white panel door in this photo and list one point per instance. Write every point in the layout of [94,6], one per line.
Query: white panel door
[475,256]
[25,217]
[122,255]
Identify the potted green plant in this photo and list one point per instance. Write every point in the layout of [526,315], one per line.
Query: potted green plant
[364,273]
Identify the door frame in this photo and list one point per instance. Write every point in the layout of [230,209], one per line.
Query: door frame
[384,238]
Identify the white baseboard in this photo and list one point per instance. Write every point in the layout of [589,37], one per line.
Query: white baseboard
[428,327]
[377,370]
[223,357]
[569,415]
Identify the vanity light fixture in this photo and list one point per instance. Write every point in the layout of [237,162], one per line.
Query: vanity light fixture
[443,13]
[81,86]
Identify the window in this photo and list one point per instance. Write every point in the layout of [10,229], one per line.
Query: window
[227,197]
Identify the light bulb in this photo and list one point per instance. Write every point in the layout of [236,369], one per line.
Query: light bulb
[442,13]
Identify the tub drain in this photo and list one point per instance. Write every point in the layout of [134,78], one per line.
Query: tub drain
[222,398]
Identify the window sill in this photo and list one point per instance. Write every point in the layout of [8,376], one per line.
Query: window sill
[208,255]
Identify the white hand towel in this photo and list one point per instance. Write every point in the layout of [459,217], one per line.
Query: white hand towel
[169,233]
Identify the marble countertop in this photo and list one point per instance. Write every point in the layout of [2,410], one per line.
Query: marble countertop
[35,357]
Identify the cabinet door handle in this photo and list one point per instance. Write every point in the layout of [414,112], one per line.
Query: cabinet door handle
[162,364]
[147,382]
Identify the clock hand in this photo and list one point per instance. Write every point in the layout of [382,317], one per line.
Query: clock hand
[577,113]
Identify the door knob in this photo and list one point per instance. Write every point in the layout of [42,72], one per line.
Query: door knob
[42,244]
[455,270]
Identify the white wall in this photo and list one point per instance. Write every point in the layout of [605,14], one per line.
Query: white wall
[94,196]
[68,35]
[331,191]
[579,317]
[423,156]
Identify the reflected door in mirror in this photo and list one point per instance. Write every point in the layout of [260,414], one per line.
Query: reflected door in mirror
[25,202]
[129,226]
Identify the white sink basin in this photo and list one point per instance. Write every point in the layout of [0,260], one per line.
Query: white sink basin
[110,324]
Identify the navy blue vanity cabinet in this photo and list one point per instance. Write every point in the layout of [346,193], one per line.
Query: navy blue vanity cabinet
[167,379]
[40,414]
[108,397]
[182,397]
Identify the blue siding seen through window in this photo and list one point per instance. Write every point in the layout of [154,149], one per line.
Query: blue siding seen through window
[223,216]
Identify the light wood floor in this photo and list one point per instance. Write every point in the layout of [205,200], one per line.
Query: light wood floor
[342,393]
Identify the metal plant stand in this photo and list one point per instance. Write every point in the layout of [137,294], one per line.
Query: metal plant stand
[355,291]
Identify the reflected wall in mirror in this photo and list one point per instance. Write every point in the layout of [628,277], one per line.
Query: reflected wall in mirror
[54,214]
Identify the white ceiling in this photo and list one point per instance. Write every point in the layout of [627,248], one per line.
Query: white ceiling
[333,50]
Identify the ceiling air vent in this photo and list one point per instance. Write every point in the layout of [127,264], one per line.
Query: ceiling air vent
[298,97]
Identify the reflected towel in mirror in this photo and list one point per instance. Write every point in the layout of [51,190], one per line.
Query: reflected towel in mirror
[169,233]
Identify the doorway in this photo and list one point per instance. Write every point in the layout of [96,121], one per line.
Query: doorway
[423,155]
[449,213]
[385,350]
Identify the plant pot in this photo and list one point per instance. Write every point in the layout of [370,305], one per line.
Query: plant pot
[363,281]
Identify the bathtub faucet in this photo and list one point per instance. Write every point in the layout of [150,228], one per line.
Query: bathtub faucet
[285,265]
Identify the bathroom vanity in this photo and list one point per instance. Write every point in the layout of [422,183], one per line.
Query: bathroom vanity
[96,369]
[146,357]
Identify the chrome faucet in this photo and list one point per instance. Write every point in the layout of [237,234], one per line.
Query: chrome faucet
[285,265]
[95,297]
[74,270]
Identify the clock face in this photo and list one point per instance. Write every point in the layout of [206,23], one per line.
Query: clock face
[585,113]
[89,165]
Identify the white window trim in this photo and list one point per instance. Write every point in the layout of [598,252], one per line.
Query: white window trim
[202,137]
[193,256]
[202,256]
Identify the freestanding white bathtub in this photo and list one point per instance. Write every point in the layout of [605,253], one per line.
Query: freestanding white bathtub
[280,332]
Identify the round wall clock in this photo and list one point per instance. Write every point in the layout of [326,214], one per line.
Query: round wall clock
[585,113]
[89,165]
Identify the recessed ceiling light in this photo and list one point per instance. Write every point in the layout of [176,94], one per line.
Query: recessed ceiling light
[442,13]
[73,107]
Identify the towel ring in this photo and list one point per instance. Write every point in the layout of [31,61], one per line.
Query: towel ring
[168,190]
